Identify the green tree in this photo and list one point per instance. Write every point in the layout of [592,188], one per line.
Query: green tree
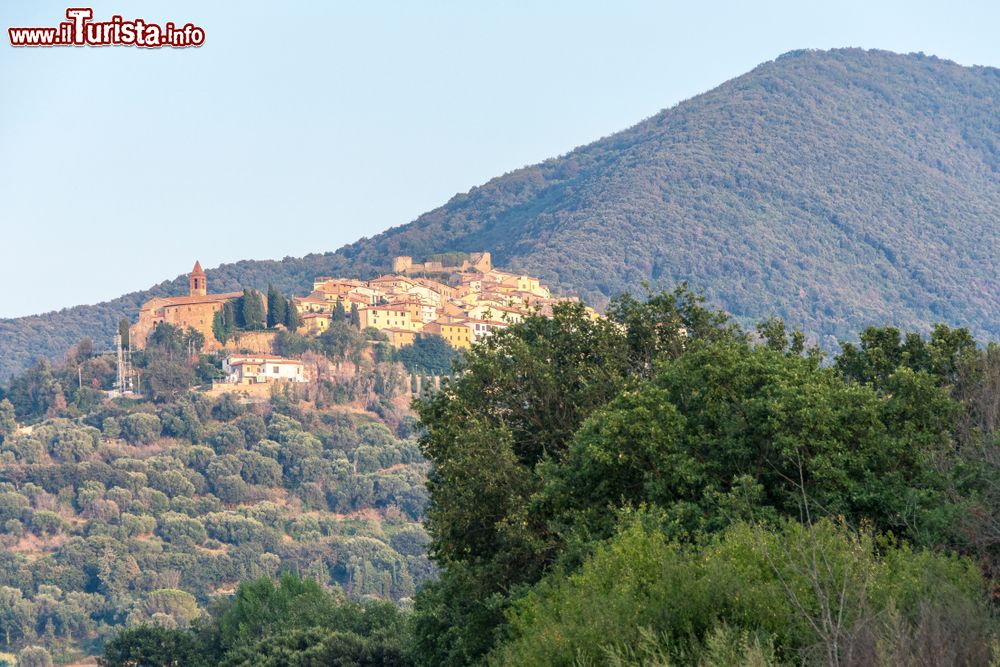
[151,646]
[518,400]
[726,426]
[17,616]
[179,605]
[8,420]
[167,363]
[231,315]
[429,353]
[292,318]
[292,344]
[341,341]
[34,656]
[339,313]
[277,307]
[819,594]
[219,329]
[141,428]
[253,310]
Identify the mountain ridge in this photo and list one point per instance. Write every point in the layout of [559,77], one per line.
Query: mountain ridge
[833,188]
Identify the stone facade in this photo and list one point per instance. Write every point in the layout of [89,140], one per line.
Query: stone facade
[195,311]
[477,261]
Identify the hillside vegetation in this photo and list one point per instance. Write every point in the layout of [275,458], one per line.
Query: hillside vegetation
[663,487]
[151,510]
[835,189]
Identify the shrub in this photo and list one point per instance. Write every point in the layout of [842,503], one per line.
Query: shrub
[141,428]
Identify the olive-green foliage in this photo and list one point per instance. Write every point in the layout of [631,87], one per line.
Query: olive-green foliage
[519,399]
[277,307]
[252,315]
[8,418]
[726,428]
[293,622]
[543,440]
[169,361]
[807,593]
[429,353]
[152,645]
[342,341]
[150,538]
[34,656]
[141,428]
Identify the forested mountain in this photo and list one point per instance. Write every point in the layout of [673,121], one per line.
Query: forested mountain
[835,189]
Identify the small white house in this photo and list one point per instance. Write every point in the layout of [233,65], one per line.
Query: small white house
[261,369]
[482,328]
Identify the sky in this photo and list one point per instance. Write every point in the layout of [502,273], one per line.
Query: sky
[299,127]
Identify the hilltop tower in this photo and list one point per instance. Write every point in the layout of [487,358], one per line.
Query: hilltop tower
[198,280]
[402,264]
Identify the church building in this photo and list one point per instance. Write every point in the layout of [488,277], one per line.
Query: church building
[196,311]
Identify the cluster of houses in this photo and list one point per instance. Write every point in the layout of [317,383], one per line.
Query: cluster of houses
[476,300]
[461,302]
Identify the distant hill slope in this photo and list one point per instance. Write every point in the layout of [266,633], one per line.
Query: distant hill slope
[835,189]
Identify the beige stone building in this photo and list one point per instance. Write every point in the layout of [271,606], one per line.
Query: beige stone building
[195,311]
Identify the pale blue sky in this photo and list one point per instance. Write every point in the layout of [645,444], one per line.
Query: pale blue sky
[300,127]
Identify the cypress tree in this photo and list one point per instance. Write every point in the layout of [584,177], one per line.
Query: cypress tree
[229,320]
[234,319]
[292,319]
[219,326]
[277,306]
[253,310]
[339,314]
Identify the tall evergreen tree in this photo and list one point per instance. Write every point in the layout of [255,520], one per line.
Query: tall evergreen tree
[8,420]
[219,328]
[234,319]
[355,315]
[339,313]
[277,307]
[253,310]
[292,318]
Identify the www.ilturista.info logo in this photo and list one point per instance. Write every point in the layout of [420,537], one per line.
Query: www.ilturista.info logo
[80,30]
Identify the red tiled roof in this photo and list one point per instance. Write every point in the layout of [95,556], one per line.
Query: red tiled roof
[191,300]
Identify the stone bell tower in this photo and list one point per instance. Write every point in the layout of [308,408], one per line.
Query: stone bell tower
[198,281]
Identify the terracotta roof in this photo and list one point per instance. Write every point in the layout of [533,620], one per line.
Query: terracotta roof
[243,362]
[399,309]
[197,271]
[309,299]
[427,282]
[191,300]
[237,359]
[390,279]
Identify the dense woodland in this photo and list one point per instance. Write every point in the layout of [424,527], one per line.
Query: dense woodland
[834,189]
[663,487]
[150,510]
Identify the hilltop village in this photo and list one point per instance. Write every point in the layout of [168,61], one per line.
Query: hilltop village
[459,297]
